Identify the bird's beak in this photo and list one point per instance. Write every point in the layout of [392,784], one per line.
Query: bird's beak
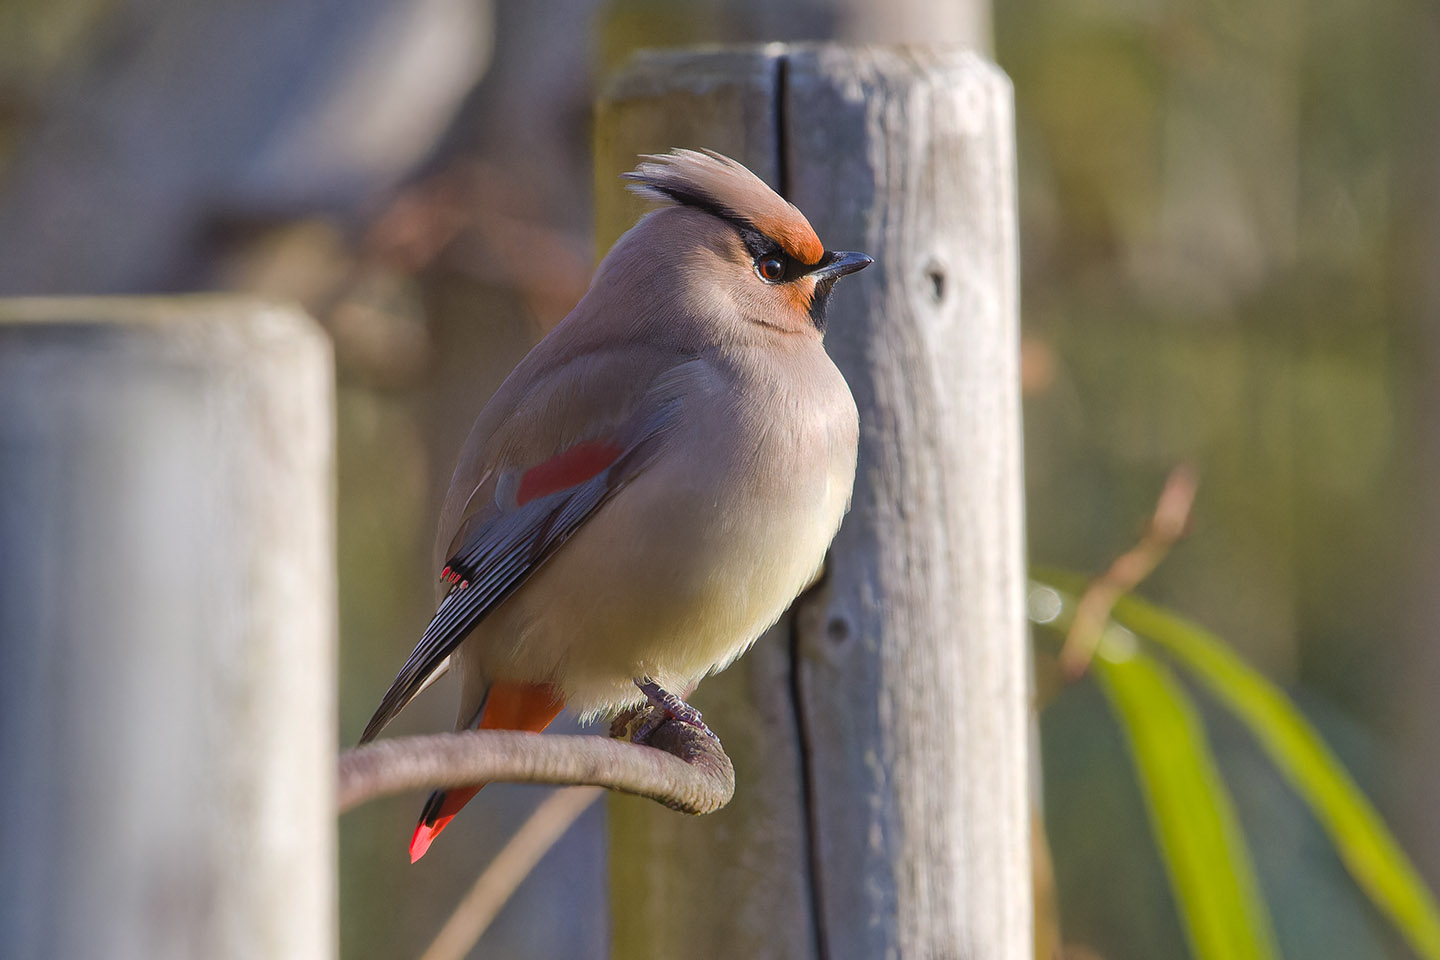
[838,263]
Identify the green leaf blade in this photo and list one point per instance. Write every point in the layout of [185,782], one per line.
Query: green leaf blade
[1191,813]
[1355,828]
[1365,845]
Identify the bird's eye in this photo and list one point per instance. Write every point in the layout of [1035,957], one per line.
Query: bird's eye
[770,268]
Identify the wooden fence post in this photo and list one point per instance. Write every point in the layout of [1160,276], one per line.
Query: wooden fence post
[880,732]
[167,662]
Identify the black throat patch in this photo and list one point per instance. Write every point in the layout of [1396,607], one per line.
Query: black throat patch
[820,303]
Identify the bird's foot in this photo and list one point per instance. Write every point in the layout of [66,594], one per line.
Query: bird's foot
[664,706]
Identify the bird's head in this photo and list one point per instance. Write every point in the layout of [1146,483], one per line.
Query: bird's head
[733,250]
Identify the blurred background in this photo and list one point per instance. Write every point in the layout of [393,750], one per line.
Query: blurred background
[1229,223]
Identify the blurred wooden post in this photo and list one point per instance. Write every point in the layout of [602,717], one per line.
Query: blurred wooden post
[167,667]
[880,732]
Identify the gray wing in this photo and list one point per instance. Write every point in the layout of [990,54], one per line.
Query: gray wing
[498,557]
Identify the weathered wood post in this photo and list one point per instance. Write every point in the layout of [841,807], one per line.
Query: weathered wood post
[880,732]
[167,664]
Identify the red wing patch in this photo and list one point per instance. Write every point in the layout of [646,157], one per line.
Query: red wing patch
[564,470]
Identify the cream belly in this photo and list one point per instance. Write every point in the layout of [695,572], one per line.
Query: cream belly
[671,580]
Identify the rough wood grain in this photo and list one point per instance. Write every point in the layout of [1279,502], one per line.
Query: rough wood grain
[167,668]
[881,806]
[913,659]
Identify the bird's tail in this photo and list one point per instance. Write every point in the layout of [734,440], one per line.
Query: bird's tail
[508,706]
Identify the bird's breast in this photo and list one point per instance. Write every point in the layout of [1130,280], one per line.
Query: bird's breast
[705,549]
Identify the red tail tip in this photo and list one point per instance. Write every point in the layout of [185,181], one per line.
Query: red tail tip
[424,836]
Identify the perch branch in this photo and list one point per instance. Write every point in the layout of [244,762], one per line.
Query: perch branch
[680,767]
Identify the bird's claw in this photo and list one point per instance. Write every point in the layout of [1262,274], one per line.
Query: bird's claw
[664,706]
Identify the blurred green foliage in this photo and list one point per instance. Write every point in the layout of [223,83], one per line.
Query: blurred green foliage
[1191,813]
[1228,225]
[1219,220]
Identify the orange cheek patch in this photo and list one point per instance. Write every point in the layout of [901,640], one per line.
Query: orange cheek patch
[801,294]
[576,465]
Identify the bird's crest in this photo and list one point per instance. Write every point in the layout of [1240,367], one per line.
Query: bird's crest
[718,185]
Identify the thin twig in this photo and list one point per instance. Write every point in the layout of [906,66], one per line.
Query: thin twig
[1167,525]
[511,865]
[681,767]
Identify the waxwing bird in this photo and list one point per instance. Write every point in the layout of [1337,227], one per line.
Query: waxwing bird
[656,481]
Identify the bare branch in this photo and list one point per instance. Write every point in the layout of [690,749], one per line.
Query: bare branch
[680,767]
[1167,525]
